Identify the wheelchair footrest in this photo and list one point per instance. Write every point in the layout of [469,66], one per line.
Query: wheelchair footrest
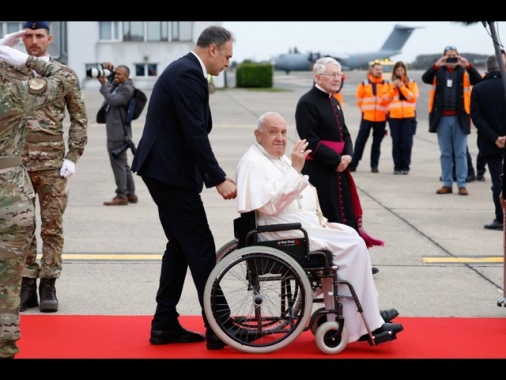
[383,337]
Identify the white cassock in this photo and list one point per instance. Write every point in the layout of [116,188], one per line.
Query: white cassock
[279,194]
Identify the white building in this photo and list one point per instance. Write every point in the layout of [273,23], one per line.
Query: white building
[146,47]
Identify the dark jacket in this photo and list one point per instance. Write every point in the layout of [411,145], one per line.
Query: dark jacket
[175,147]
[117,97]
[488,112]
[436,112]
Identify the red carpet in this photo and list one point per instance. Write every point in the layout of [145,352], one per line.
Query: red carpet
[127,337]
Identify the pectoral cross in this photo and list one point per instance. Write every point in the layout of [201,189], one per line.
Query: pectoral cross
[298,201]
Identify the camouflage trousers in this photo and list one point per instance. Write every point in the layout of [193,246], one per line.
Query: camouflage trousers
[53,196]
[16,230]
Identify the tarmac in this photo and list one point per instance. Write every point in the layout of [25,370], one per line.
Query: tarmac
[438,260]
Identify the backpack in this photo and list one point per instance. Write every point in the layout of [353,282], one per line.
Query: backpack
[136,105]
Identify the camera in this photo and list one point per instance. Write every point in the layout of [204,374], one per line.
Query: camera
[99,72]
[128,144]
[452,60]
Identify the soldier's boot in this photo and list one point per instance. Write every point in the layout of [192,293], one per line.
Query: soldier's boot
[47,293]
[28,293]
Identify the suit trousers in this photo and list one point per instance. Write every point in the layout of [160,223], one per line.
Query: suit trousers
[190,244]
[123,176]
[495,167]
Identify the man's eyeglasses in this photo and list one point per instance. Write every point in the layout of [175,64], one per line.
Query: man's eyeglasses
[449,47]
[333,75]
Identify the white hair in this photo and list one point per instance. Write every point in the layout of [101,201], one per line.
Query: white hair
[320,65]
[262,118]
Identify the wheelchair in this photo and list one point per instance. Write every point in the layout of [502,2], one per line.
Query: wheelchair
[259,297]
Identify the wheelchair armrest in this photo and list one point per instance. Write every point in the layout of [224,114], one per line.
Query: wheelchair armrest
[251,235]
[279,227]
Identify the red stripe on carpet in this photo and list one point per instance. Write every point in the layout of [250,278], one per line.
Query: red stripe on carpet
[127,337]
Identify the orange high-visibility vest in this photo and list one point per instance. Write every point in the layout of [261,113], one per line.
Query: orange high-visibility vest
[369,98]
[400,109]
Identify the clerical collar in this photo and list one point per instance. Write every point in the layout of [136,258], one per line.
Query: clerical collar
[321,89]
[261,148]
[279,162]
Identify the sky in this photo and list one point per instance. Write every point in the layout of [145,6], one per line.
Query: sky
[263,40]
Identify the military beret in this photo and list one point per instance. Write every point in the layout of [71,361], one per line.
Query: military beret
[36,25]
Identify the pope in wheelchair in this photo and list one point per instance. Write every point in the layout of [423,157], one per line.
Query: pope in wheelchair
[271,186]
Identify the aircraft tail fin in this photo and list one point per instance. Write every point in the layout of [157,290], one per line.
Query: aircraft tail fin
[398,37]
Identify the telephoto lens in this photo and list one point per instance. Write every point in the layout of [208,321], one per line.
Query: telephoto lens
[94,73]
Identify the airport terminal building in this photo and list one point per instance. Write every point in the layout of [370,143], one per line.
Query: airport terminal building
[146,47]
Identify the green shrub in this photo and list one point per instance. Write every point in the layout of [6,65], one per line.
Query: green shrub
[254,75]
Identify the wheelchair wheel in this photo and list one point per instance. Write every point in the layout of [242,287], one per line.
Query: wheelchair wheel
[258,299]
[226,249]
[319,320]
[328,340]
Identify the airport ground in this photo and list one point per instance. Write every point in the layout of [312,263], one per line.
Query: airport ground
[438,259]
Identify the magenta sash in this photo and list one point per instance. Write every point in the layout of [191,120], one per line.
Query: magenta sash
[338,147]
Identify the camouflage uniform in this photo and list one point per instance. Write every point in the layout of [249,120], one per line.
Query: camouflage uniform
[43,156]
[17,96]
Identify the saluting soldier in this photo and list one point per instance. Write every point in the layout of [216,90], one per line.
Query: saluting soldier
[19,93]
[49,166]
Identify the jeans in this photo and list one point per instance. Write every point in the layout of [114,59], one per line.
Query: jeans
[452,141]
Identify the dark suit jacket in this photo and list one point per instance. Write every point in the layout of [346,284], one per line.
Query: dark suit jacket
[175,147]
[488,112]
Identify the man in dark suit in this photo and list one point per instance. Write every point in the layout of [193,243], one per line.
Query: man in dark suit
[174,159]
[488,112]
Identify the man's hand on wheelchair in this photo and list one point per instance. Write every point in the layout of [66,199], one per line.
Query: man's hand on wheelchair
[227,189]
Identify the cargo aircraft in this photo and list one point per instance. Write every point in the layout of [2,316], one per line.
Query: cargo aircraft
[304,62]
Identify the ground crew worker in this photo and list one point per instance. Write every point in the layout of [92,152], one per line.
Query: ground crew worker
[374,116]
[401,98]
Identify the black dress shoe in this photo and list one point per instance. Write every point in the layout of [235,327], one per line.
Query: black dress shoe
[178,335]
[471,178]
[212,341]
[389,315]
[394,328]
[375,270]
[495,225]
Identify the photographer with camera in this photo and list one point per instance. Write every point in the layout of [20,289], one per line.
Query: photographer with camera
[117,90]
[451,77]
